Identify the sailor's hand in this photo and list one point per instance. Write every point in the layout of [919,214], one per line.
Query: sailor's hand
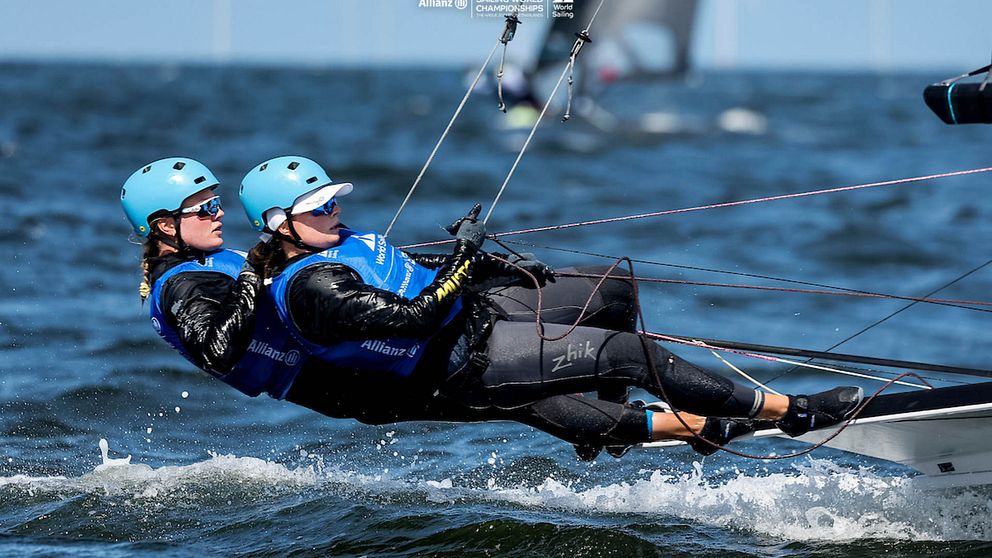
[540,270]
[469,228]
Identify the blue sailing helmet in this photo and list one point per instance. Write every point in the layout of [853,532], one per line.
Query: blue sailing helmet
[162,186]
[278,183]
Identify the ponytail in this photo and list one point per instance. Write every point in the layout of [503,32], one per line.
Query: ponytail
[271,257]
[149,250]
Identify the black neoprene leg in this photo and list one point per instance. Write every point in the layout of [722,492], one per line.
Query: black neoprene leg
[586,421]
[612,306]
[342,394]
[524,369]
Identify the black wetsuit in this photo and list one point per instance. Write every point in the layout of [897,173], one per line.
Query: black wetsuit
[379,398]
[213,314]
[522,380]
[214,317]
[602,354]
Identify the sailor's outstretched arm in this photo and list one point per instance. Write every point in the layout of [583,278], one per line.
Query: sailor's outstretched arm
[329,302]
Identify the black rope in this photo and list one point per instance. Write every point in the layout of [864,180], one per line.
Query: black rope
[538,323]
[886,318]
[503,243]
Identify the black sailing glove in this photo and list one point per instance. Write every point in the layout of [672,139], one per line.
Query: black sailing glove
[469,229]
[535,267]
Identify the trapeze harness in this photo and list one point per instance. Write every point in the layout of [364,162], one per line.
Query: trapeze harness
[380,265]
[273,358]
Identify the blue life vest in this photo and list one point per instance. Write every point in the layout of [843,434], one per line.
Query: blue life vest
[273,358]
[382,266]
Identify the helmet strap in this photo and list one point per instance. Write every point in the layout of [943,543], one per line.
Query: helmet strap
[295,239]
[177,242]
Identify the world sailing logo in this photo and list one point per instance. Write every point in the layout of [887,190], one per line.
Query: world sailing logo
[366,239]
[374,243]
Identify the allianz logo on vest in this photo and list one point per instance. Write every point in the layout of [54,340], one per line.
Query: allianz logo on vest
[408,269]
[289,358]
[388,350]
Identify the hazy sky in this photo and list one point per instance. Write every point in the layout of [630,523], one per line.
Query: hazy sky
[862,34]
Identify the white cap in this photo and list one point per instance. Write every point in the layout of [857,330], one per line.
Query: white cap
[307,202]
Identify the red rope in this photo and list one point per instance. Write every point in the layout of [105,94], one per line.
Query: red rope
[785,289]
[719,205]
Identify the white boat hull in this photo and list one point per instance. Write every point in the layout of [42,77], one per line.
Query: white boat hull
[945,434]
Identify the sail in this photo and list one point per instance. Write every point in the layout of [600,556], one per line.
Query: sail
[631,39]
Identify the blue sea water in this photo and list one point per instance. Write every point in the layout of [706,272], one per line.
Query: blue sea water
[216,473]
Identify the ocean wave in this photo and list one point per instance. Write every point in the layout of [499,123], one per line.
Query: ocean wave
[818,501]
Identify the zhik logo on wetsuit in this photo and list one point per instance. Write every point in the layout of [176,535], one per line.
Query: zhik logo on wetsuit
[573,353]
[289,358]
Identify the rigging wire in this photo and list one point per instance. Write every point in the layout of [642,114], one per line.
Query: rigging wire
[891,315]
[509,32]
[748,201]
[505,37]
[876,372]
[836,290]
[582,38]
[704,345]
[893,374]
[712,206]
[834,357]
[857,294]
[910,305]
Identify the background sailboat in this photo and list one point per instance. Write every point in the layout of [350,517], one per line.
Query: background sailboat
[641,45]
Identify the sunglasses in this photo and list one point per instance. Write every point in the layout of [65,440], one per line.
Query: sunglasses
[325,209]
[209,208]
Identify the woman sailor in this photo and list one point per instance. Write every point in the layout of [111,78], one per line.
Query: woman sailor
[434,325]
[204,300]
[209,304]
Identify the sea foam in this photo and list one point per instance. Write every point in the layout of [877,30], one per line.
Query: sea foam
[817,501]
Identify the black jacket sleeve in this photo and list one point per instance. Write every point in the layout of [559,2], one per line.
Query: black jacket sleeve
[330,302]
[430,261]
[214,315]
[487,271]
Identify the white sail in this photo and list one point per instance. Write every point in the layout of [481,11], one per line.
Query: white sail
[632,39]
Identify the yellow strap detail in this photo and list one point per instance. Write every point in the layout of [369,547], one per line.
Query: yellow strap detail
[454,282]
